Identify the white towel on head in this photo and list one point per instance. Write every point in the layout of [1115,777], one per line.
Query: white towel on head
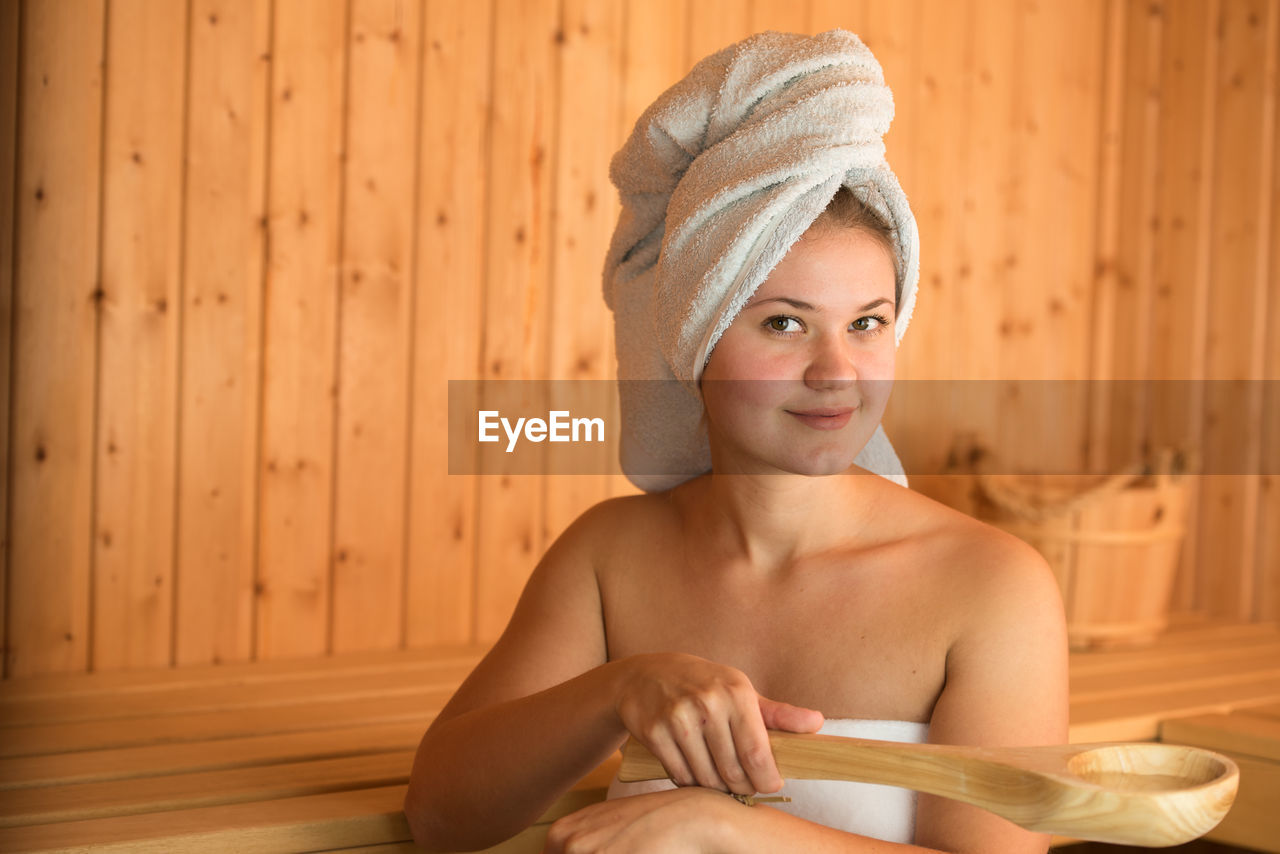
[720,177]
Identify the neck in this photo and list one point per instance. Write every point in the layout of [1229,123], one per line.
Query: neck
[771,521]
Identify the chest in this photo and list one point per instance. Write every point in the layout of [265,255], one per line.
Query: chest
[853,637]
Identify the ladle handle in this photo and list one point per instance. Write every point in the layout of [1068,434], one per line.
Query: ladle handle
[1032,787]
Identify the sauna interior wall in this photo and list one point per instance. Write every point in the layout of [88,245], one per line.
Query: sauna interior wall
[245,244]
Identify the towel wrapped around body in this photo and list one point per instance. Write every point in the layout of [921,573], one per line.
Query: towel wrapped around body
[722,174]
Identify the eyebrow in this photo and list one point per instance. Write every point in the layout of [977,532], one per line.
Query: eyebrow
[804,306]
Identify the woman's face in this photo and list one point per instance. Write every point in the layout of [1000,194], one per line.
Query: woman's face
[800,379]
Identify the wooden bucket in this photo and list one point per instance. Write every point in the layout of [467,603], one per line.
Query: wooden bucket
[1113,546]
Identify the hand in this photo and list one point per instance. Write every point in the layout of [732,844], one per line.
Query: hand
[675,821]
[705,722]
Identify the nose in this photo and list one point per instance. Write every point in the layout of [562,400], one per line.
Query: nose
[831,364]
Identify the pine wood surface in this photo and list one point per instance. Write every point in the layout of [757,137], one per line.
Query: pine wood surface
[1251,737]
[313,755]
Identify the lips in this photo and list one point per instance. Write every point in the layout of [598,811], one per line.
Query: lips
[823,417]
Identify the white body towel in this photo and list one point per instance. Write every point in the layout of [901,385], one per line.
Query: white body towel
[881,812]
[720,177]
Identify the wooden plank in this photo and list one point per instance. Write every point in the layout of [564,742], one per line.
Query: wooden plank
[1181,270]
[138,386]
[1054,186]
[87,766]
[79,801]
[842,14]
[230,698]
[9,29]
[374,351]
[225,230]
[362,817]
[789,16]
[54,336]
[580,352]
[310,823]
[1266,604]
[521,165]
[301,716]
[1138,718]
[450,272]
[1206,673]
[1129,284]
[658,53]
[943,88]
[1265,710]
[1236,733]
[703,28]
[1252,821]
[81,686]
[890,31]
[293,588]
[1229,521]
[1084,665]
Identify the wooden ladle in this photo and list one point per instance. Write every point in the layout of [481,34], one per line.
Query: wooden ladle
[1126,793]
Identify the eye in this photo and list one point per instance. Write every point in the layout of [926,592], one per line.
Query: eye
[782,323]
[870,323]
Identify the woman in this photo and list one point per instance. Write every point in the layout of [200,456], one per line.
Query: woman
[768,593]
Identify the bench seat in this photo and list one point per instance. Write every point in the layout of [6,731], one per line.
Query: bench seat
[314,755]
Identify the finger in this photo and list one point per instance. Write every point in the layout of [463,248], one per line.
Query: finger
[787,717]
[722,742]
[755,754]
[662,745]
[693,745]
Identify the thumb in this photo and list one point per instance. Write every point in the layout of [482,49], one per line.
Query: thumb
[787,717]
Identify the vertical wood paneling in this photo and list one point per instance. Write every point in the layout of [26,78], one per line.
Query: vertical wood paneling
[1129,344]
[580,331]
[988,202]
[9,26]
[376,306]
[138,391]
[1266,596]
[848,15]
[1267,602]
[1181,266]
[1229,520]
[293,589]
[711,26]
[522,160]
[658,52]
[453,165]
[378,196]
[792,17]
[891,33]
[225,229]
[55,299]
[943,91]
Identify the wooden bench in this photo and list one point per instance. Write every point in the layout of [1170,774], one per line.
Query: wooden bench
[313,755]
[1251,737]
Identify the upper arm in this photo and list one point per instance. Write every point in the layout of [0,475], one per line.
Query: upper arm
[557,629]
[1006,685]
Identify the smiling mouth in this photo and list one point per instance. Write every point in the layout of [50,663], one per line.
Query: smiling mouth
[823,418]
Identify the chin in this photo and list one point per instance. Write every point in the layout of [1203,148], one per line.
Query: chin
[823,465]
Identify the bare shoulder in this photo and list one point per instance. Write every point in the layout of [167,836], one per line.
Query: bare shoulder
[990,574]
[614,522]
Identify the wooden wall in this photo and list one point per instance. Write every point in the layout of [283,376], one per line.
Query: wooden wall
[245,244]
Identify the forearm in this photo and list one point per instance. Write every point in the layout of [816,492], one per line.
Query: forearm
[762,828]
[486,774]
